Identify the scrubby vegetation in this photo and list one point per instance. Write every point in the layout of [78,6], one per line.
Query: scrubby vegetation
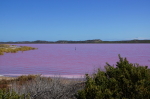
[5,84]
[13,48]
[37,87]
[12,95]
[122,81]
[4,45]
[7,93]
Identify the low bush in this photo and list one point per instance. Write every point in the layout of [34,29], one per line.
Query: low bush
[123,81]
[48,88]
[12,95]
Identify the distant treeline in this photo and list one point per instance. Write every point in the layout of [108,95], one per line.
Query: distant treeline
[85,41]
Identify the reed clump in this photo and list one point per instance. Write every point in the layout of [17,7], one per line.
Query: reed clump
[5,83]
[1,53]
[6,48]
[4,45]
[25,78]
[26,48]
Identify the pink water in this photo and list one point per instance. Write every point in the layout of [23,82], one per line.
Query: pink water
[70,60]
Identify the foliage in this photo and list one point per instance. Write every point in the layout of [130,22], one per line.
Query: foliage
[12,95]
[6,91]
[124,81]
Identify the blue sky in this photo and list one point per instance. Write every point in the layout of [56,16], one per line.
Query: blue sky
[52,20]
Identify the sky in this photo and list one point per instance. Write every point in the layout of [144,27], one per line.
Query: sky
[52,20]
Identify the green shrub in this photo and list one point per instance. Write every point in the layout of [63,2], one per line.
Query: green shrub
[123,81]
[11,95]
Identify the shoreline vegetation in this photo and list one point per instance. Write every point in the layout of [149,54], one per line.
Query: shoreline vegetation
[39,87]
[95,41]
[125,80]
[7,48]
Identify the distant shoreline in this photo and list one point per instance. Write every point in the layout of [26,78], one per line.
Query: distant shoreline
[74,43]
[96,41]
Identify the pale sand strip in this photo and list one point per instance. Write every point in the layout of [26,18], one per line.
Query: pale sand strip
[6,78]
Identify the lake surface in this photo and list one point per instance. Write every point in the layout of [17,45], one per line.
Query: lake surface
[70,60]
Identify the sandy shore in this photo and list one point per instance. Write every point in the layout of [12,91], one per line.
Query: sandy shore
[60,77]
[6,78]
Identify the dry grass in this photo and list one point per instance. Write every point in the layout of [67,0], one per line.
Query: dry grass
[42,87]
[5,82]
[5,48]
[4,45]
[38,87]
[47,88]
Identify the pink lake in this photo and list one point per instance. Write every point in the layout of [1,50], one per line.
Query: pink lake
[70,60]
